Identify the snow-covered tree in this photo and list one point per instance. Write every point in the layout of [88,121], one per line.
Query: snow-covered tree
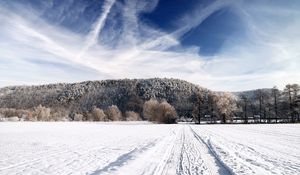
[226,105]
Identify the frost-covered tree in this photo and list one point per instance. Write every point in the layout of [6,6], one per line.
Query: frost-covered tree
[226,105]
[159,112]
[212,100]
[166,113]
[150,109]
[113,113]
[42,113]
[59,114]
[98,114]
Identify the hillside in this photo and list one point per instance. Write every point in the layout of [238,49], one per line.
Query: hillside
[126,94]
[126,98]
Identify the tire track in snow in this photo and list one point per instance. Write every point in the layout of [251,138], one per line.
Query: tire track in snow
[166,161]
[222,167]
[152,158]
[191,160]
[244,159]
[180,153]
[176,149]
[156,160]
[122,159]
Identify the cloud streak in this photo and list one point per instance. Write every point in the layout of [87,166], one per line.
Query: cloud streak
[92,37]
[264,58]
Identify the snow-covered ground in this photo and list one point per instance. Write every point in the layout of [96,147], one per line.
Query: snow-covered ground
[142,148]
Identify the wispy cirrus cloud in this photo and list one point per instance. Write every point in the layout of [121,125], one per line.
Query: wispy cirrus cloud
[92,37]
[31,47]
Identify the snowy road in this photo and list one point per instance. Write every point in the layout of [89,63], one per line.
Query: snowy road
[142,148]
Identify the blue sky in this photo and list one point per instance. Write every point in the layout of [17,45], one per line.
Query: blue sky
[222,45]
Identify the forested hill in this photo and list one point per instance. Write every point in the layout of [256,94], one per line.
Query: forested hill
[128,98]
[127,94]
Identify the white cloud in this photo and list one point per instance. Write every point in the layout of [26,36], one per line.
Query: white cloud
[265,58]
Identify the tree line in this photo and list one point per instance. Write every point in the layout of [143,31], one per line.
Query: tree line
[258,106]
[166,100]
[153,110]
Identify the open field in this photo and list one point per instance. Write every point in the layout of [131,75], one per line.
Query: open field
[144,148]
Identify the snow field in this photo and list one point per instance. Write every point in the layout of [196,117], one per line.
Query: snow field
[144,148]
[255,149]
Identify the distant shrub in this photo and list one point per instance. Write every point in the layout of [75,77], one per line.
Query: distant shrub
[113,113]
[59,114]
[8,112]
[166,113]
[78,117]
[159,112]
[12,112]
[30,116]
[132,116]
[42,113]
[150,109]
[98,114]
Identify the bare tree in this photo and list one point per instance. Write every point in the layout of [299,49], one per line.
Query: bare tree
[291,92]
[59,114]
[98,114]
[113,113]
[297,103]
[259,96]
[42,113]
[78,117]
[150,109]
[159,112]
[166,113]
[198,107]
[212,100]
[296,90]
[275,94]
[288,92]
[132,116]
[263,98]
[245,101]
